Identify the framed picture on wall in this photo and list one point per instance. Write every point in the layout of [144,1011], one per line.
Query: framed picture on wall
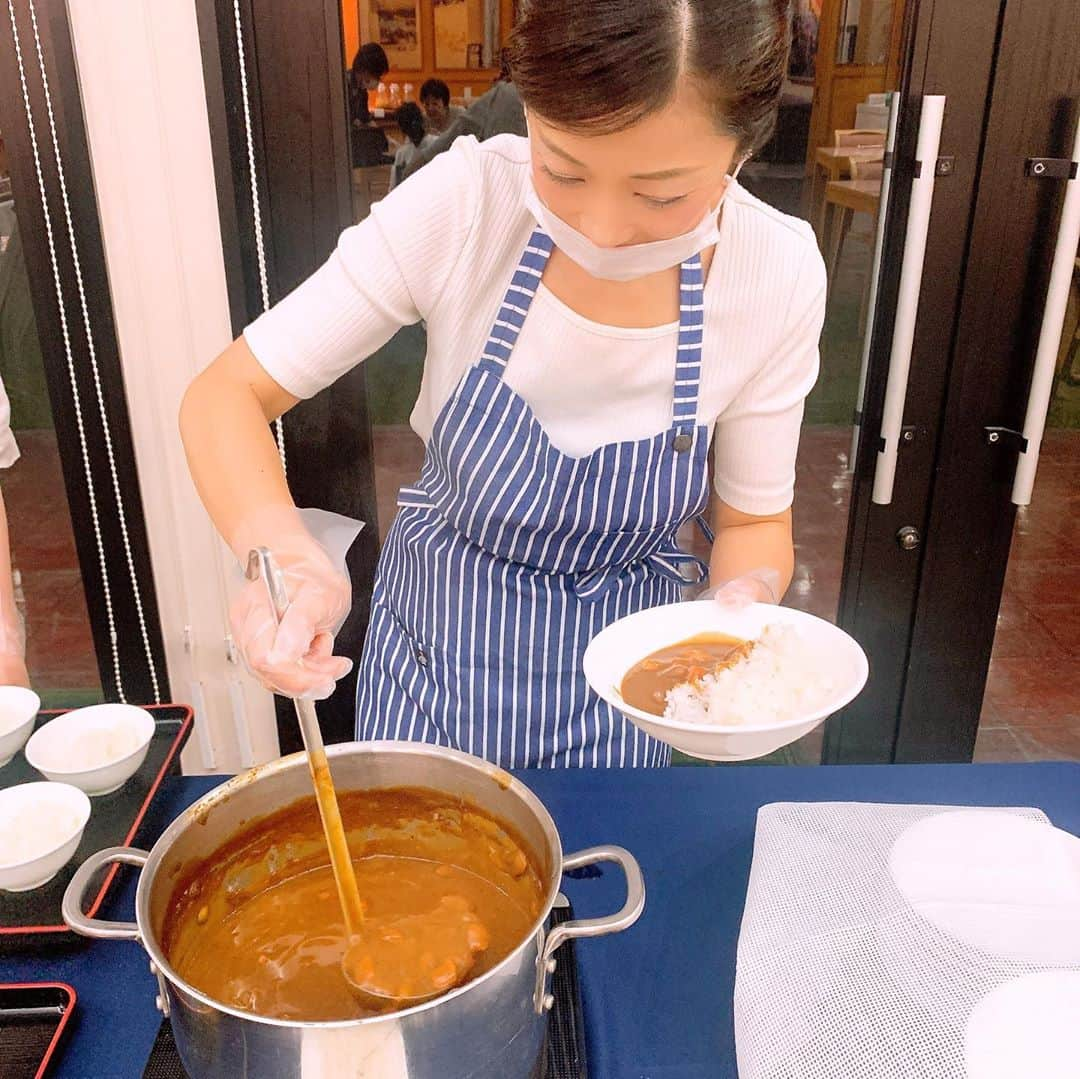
[467,33]
[395,25]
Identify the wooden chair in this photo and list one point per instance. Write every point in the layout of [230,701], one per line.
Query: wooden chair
[844,199]
[858,137]
[369,185]
[832,163]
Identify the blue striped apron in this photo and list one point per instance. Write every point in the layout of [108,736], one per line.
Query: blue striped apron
[509,556]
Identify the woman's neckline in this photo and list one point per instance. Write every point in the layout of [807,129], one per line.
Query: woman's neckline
[604,329]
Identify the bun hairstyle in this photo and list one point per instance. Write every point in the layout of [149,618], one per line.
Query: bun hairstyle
[599,66]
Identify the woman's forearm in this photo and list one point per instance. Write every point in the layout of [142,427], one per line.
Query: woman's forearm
[745,543]
[234,461]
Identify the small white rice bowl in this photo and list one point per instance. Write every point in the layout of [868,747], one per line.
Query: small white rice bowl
[97,749]
[41,825]
[800,671]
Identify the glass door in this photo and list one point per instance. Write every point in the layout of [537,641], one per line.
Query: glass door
[49,594]
[1000,589]
[81,566]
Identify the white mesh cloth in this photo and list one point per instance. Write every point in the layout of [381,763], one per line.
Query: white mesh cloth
[839,977]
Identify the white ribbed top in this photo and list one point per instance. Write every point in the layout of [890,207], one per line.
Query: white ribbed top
[442,248]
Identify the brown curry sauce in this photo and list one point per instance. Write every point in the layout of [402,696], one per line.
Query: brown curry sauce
[258,925]
[647,684]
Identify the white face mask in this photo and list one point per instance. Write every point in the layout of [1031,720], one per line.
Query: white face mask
[634,260]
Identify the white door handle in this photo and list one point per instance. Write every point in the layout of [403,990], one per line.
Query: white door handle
[907,303]
[1053,321]
[875,271]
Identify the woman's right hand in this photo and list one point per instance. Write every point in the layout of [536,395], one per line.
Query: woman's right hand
[296,657]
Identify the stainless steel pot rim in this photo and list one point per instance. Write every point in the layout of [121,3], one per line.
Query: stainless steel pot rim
[339,749]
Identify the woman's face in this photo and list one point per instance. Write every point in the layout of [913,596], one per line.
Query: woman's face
[650,182]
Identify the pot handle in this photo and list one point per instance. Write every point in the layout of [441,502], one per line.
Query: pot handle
[591,927]
[75,894]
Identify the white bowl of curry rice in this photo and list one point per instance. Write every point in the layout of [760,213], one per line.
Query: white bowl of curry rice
[725,685]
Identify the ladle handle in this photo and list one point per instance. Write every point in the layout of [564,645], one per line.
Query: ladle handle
[261,564]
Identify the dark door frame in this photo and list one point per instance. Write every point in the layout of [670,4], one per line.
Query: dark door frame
[299,146]
[928,616]
[1032,112]
[131,661]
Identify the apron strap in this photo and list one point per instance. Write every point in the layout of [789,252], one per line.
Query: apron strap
[516,303]
[414,498]
[668,561]
[688,356]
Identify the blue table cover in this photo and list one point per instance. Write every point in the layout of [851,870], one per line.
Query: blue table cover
[658,999]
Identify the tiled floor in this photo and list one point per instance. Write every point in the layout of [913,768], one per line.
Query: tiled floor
[1032,703]
[1032,706]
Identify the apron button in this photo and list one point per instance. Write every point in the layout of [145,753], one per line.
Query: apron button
[682,443]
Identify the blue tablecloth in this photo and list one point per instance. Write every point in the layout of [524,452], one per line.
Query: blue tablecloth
[658,998]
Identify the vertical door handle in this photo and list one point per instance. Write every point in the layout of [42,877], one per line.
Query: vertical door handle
[875,271]
[1053,321]
[907,304]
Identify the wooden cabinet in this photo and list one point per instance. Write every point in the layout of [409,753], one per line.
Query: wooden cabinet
[858,54]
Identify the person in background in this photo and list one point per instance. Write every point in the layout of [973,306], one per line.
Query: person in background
[411,121]
[435,98]
[369,144]
[498,112]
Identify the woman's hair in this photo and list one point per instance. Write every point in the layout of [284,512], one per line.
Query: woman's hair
[599,66]
[411,121]
[370,59]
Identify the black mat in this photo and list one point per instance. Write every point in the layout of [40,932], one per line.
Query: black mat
[565,1058]
[29,920]
[33,1022]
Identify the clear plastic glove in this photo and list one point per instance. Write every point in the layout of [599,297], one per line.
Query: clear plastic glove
[296,657]
[757,586]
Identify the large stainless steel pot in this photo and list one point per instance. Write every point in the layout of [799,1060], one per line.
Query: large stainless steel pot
[492,1028]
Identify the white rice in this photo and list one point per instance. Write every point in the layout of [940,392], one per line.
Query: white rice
[32,830]
[781,679]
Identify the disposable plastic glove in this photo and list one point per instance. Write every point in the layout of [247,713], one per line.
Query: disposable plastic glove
[757,586]
[296,658]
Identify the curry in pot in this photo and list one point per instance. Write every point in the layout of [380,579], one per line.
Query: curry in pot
[258,925]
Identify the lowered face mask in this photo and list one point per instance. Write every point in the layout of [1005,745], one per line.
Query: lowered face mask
[634,260]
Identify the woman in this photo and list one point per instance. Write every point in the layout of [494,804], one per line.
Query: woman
[368,143]
[594,322]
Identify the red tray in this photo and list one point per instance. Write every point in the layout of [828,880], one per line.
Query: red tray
[34,1019]
[114,821]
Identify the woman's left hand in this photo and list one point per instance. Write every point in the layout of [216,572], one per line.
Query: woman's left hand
[757,586]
